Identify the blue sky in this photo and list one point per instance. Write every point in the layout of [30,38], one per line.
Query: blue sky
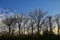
[26,6]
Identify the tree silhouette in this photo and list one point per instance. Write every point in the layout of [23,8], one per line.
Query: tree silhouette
[9,21]
[20,18]
[50,24]
[37,16]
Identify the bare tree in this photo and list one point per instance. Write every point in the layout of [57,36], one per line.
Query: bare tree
[20,18]
[37,16]
[9,21]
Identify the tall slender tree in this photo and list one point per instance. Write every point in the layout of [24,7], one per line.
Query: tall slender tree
[57,20]
[32,24]
[50,24]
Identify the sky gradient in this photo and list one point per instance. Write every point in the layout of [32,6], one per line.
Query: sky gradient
[26,6]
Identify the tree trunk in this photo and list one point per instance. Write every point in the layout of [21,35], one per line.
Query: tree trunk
[9,29]
[24,30]
[38,27]
[58,30]
[58,25]
[28,30]
[32,29]
[13,32]
[19,29]
[50,25]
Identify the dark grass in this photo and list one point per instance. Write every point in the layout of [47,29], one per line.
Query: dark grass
[45,36]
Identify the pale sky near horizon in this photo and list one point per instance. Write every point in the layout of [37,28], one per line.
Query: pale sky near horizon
[26,6]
